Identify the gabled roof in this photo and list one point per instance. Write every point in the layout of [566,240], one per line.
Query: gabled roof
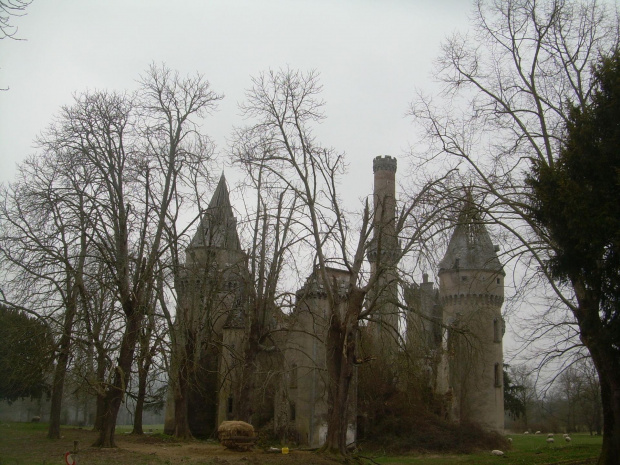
[218,225]
[470,246]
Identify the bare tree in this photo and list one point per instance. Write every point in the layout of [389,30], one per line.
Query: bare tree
[283,106]
[577,391]
[44,249]
[590,408]
[147,348]
[101,320]
[522,377]
[191,337]
[135,148]
[273,227]
[508,85]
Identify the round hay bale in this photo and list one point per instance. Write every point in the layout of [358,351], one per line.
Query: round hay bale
[236,435]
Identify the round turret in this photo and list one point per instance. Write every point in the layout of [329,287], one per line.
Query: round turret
[471,292]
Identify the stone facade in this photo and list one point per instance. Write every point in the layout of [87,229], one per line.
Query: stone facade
[306,390]
[211,298]
[471,293]
[457,327]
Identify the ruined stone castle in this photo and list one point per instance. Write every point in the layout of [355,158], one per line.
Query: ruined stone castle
[457,326]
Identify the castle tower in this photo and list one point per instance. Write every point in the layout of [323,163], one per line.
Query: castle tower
[306,406]
[424,326]
[210,289]
[471,290]
[383,255]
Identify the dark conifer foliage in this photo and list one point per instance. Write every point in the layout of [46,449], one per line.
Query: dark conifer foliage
[26,349]
[576,202]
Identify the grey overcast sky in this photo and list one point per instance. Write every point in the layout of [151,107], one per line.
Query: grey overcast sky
[371,54]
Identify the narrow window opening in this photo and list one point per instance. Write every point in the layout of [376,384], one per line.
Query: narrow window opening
[498,375]
[230,404]
[293,412]
[293,380]
[497,330]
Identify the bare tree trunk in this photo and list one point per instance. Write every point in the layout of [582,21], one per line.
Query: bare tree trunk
[144,364]
[101,365]
[181,420]
[98,424]
[181,395]
[143,371]
[610,395]
[60,373]
[114,395]
[181,388]
[596,338]
[340,358]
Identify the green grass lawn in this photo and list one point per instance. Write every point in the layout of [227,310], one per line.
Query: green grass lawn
[26,444]
[525,449]
[121,429]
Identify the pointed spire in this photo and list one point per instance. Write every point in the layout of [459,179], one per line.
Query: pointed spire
[470,246]
[220,198]
[218,225]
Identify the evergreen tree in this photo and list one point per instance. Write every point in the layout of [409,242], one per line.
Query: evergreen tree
[513,403]
[25,355]
[577,205]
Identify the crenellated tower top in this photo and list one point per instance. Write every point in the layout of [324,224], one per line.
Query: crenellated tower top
[384,163]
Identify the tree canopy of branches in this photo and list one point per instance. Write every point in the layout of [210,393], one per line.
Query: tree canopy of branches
[8,9]
[114,172]
[43,247]
[279,143]
[284,106]
[506,87]
[576,204]
[26,349]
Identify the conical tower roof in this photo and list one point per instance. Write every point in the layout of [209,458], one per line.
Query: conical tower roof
[218,225]
[470,246]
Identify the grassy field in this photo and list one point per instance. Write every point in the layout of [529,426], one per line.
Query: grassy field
[26,444]
[526,449]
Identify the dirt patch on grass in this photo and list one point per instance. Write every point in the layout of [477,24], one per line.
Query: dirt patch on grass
[199,452]
[28,445]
